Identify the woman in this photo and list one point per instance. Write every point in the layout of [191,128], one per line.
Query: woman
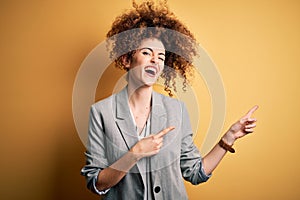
[140,142]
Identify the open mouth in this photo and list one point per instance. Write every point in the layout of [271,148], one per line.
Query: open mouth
[150,70]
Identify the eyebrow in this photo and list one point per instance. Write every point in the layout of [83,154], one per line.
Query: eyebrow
[150,49]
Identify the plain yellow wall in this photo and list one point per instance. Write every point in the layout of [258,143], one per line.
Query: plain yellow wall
[255,45]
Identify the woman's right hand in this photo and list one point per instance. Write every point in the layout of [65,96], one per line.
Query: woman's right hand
[150,145]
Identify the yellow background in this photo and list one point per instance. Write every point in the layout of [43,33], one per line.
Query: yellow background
[255,45]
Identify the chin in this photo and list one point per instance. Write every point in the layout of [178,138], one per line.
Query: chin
[150,82]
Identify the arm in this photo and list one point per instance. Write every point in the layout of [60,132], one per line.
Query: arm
[191,164]
[239,129]
[110,176]
[148,146]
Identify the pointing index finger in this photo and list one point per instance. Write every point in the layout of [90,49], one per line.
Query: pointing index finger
[164,132]
[251,111]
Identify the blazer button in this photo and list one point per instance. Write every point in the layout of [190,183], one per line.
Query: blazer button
[157,189]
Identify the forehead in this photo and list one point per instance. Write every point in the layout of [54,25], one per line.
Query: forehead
[152,43]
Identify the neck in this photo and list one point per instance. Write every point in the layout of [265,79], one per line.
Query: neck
[140,97]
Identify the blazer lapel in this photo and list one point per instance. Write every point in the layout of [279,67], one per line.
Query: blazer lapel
[126,126]
[123,119]
[158,123]
[158,114]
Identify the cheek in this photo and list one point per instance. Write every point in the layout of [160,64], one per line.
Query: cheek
[161,67]
[137,61]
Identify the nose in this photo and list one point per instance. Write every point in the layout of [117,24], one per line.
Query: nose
[154,59]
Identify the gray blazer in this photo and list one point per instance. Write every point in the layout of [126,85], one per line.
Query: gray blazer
[112,133]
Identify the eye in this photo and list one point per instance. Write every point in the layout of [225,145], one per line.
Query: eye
[162,58]
[146,53]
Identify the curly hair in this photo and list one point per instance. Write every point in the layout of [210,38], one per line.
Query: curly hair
[154,20]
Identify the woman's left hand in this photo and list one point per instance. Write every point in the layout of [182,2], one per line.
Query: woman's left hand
[242,127]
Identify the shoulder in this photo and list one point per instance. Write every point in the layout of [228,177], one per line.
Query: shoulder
[170,104]
[103,103]
[167,99]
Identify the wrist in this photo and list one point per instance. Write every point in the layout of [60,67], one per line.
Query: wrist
[135,156]
[229,138]
[226,146]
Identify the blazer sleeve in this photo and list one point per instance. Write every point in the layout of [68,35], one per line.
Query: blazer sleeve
[190,158]
[95,153]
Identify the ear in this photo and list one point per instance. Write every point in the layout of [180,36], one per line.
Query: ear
[125,61]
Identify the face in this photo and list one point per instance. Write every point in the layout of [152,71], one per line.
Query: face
[147,63]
